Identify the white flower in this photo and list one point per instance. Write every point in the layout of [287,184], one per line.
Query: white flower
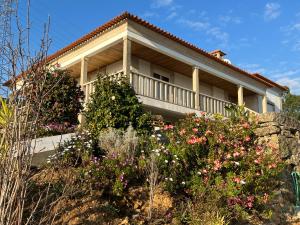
[158,135]
[158,138]
[199,173]
[142,151]
[183,182]
[156,150]
[170,179]
[173,161]
[237,163]
[158,154]
[166,178]
[113,97]
[156,128]
[243,182]
[166,161]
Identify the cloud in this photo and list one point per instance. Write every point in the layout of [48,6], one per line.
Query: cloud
[292,36]
[228,19]
[272,11]
[161,3]
[172,15]
[253,68]
[292,83]
[196,25]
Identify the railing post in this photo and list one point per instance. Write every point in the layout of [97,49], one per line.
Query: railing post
[127,57]
[83,80]
[196,87]
[240,95]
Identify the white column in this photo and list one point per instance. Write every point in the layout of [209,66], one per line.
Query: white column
[264,104]
[83,80]
[196,87]
[126,56]
[240,95]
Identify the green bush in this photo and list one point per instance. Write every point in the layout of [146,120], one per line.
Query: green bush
[62,102]
[114,104]
[214,158]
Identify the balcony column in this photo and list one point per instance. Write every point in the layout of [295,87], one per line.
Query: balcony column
[240,95]
[196,87]
[264,104]
[127,57]
[83,80]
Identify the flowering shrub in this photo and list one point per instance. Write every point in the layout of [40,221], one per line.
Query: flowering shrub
[114,104]
[76,151]
[62,102]
[213,156]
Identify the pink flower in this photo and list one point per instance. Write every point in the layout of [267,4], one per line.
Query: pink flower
[194,140]
[271,166]
[257,161]
[217,165]
[182,132]
[246,125]
[247,138]
[237,180]
[265,198]
[228,156]
[168,127]
[236,154]
[208,133]
[196,120]
[195,130]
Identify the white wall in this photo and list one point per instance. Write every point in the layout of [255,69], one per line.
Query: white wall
[252,102]
[274,96]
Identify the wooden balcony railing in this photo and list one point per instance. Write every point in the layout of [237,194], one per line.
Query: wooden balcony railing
[157,89]
[214,105]
[163,91]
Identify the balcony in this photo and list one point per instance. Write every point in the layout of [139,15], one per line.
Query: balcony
[168,93]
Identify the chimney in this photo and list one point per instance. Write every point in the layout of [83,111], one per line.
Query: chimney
[218,53]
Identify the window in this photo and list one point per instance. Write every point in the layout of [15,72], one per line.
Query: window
[271,107]
[160,77]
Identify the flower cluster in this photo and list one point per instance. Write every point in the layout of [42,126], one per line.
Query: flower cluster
[212,154]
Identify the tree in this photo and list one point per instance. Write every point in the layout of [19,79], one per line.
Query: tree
[114,104]
[64,102]
[291,105]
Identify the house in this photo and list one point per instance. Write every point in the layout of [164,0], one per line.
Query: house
[170,76]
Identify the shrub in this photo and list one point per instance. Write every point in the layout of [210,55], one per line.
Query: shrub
[120,165]
[60,106]
[217,158]
[114,104]
[76,151]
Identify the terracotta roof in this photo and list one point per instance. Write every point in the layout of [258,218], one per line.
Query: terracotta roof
[128,16]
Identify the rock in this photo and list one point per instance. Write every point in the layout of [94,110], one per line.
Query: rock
[268,130]
[124,221]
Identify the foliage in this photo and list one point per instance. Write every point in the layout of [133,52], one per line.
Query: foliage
[120,165]
[76,151]
[5,113]
[211,156]
[291,105]
[114,104]
[111,162]
[62,102]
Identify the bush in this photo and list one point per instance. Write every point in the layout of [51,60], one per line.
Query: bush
[120,165]
[60,106]
[211,157]
[114,104]
[75,152]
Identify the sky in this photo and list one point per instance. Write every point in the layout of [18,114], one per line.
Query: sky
[257,35]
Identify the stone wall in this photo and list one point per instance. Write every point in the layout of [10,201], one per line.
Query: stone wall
[283,132]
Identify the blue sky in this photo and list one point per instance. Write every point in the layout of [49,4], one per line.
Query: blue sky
[257,35]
